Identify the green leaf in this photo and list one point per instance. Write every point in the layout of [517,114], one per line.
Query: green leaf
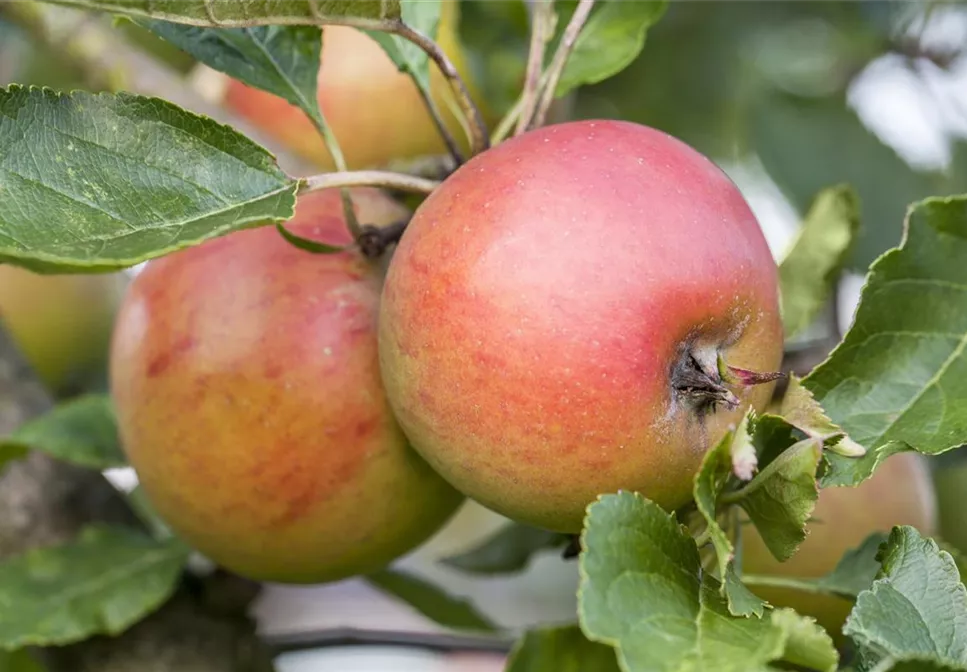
[710,482]
[809,271]
[283,60]
[19,661]
[424,16]
[807,644]
[642,591]
[237,13]
[916,607]
[99,584]
[780,499]
[853,574]
[807,143]
[82,431]
[100,182]
[898,379]
[507,551]
[610,41]
[801,410]
[562,649]
[431,601]
[914,664]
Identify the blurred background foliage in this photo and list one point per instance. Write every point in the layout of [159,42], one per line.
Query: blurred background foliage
[808,93]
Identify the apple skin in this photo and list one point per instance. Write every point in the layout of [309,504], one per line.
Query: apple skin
[61,323]
[249,402]
[950,483]
[375,111]
[539,300]
[900,492]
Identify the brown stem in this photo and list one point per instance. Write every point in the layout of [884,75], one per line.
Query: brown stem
[374,240]
[448,139]
[479,140]
[369,178]
[556,68]
[541,31]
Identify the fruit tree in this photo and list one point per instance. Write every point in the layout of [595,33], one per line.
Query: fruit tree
[580,319]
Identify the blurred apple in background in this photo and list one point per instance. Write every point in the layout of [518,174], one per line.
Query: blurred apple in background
[61,323]
[375,111]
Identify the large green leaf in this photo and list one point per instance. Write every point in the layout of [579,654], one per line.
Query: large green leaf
[810,270]
[431,601]
[612,38]
[899,377]
[283,60]
[101,182]
[237,13]
[82,430]
[561,649]
[100,584]
[916,607]
[642,591]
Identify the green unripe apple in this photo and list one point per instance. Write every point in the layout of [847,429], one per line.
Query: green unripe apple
[61,323]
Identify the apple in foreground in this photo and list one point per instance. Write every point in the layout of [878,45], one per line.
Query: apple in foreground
[61,323]
[553,318]
[900,492]
[245,377]
[375,111]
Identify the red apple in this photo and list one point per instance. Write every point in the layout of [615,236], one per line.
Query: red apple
[552,318]
[249,402]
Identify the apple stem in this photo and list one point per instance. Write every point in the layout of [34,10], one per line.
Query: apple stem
[369,178]
[556,68]
[479,137]
[573,548]
[373,240]
[448,139]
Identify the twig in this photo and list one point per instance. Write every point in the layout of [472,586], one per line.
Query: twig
[479,140]
[448,139]
[541,32]
[556,68]
[369,178]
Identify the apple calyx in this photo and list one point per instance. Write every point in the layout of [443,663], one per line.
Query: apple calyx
[706,385]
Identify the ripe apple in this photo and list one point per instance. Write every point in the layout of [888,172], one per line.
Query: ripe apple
[61,323]
[375,111]
[950,482]
[553,315]
[899,493]
[249,402]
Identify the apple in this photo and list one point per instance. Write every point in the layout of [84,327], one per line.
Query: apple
[899,493]
[553,317]
[950,482]
[61,323]
[375,111]
[246,382]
